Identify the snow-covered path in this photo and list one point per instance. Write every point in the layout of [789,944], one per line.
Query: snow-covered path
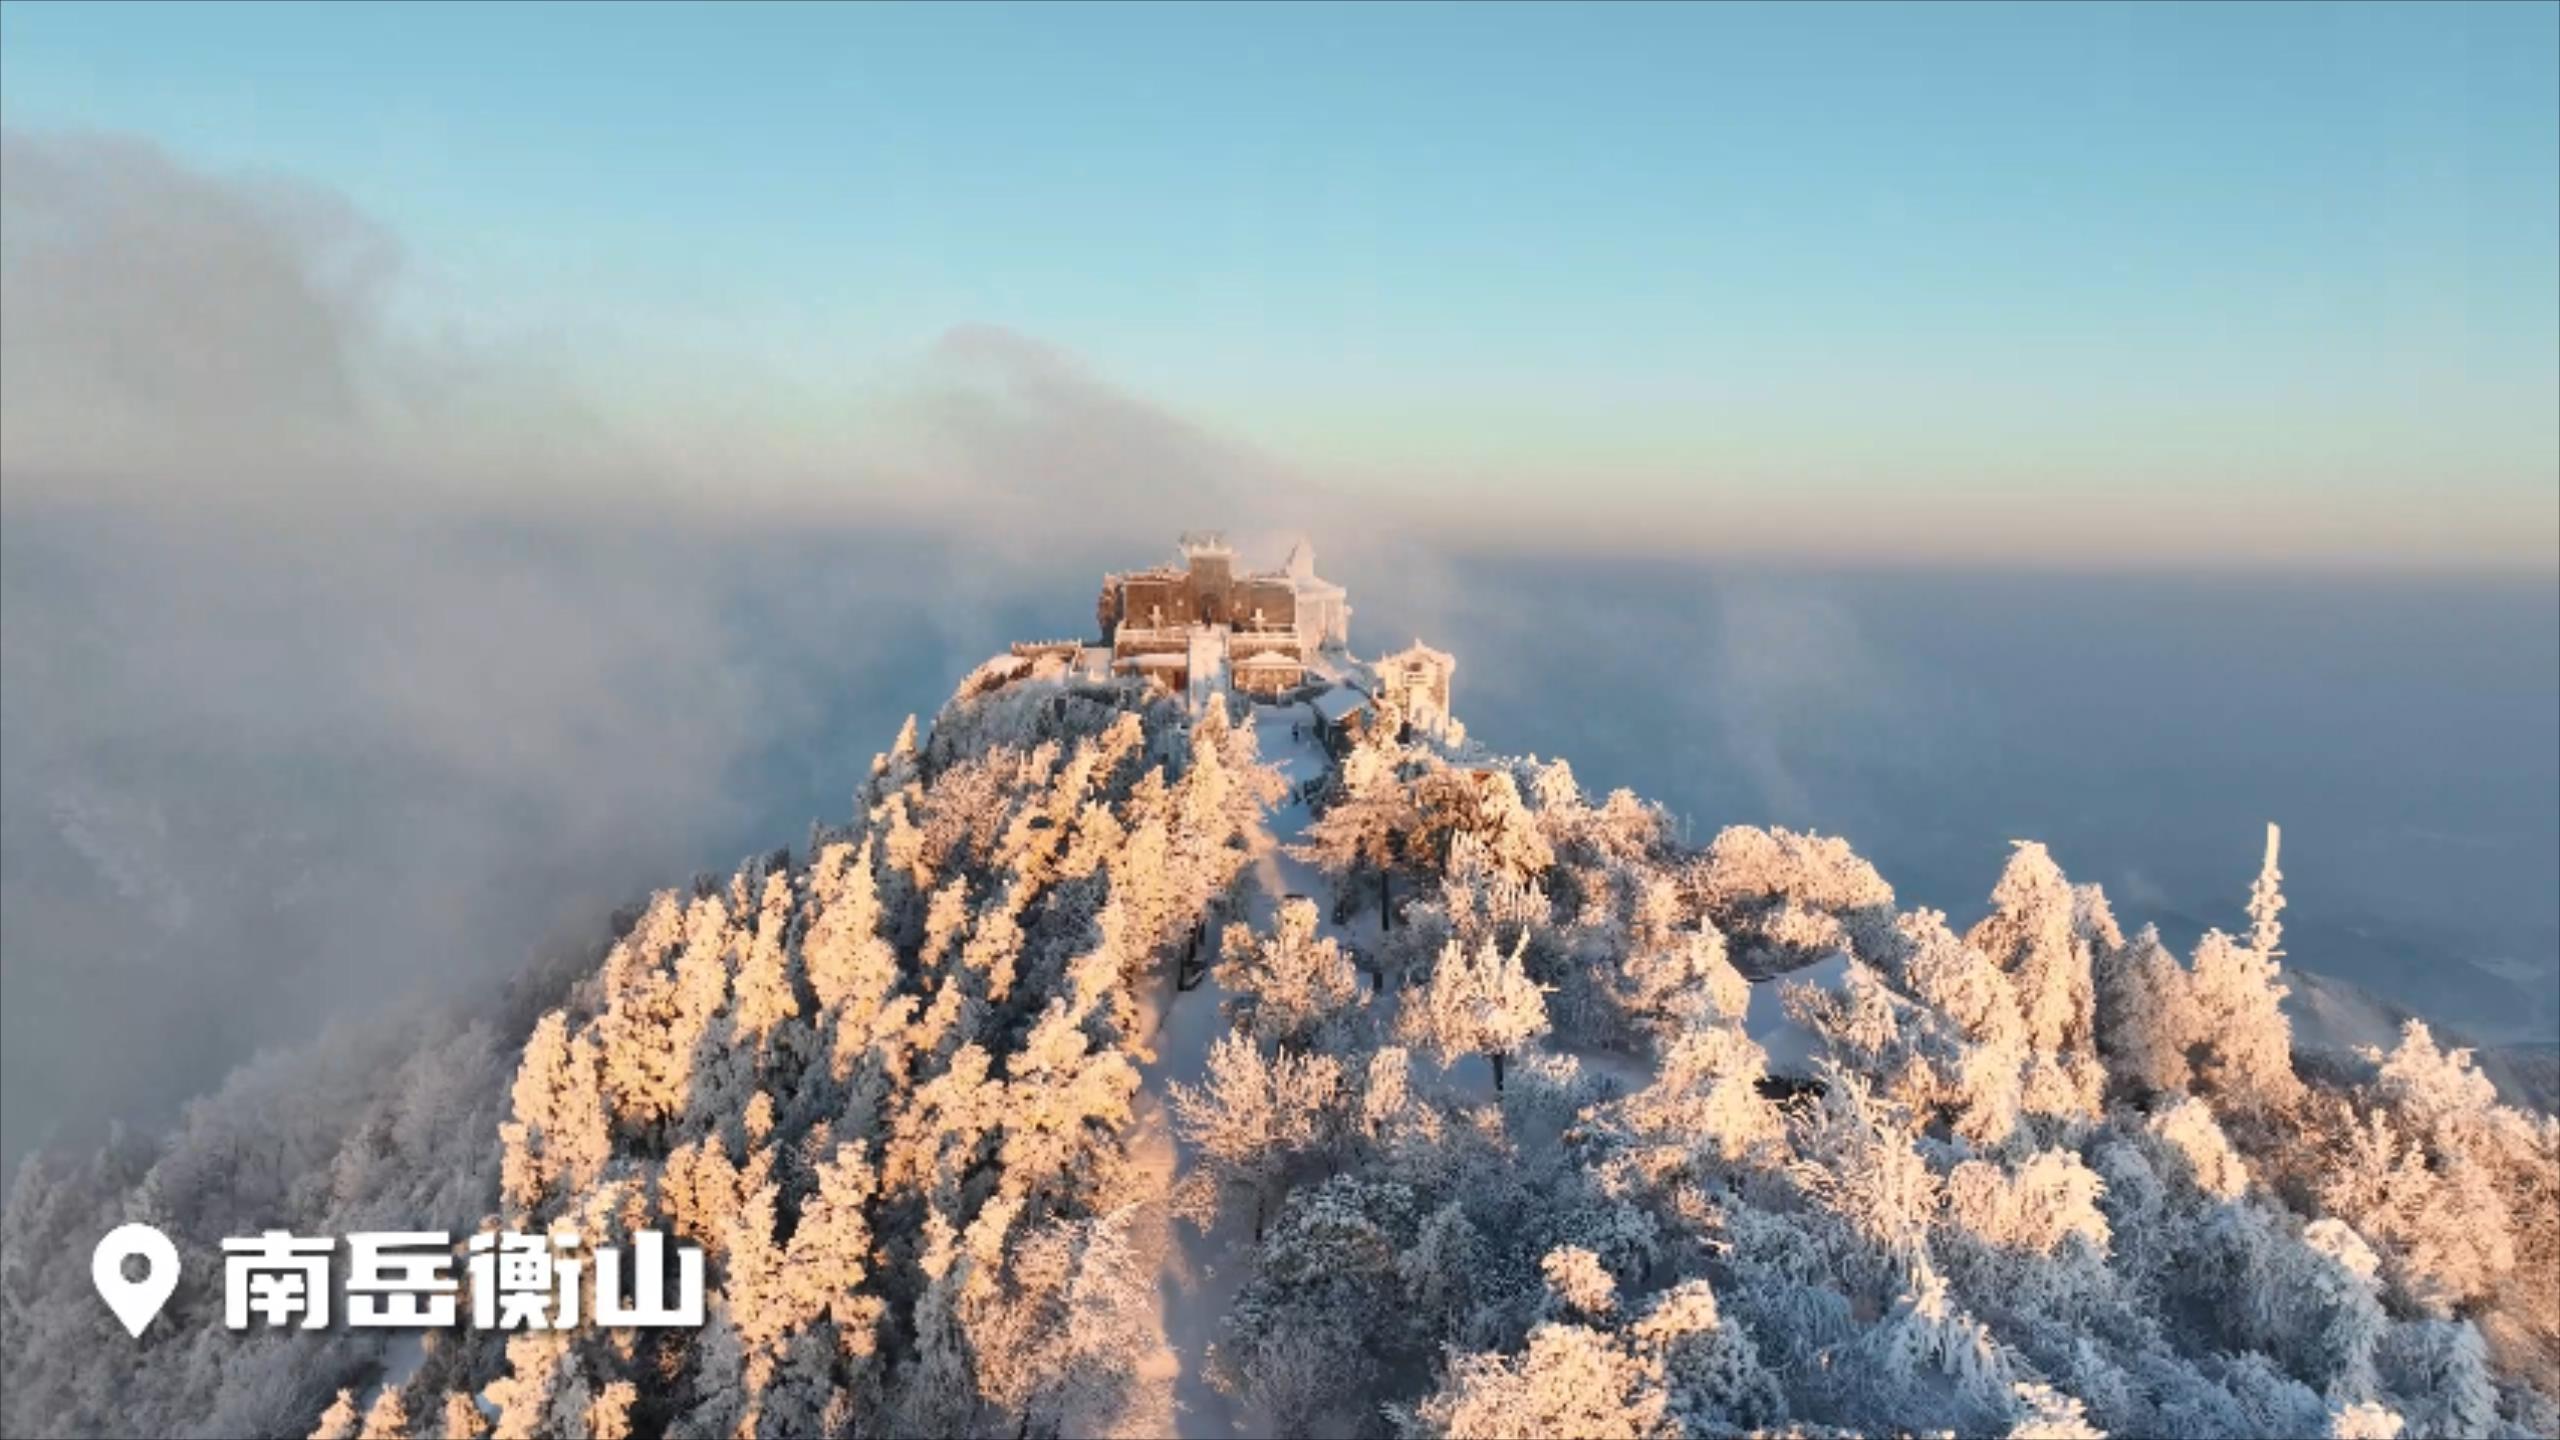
[1200,1273]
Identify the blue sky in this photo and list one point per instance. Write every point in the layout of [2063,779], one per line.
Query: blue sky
[2119,265]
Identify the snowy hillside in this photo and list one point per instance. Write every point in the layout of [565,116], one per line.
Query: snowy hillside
[1125,1067]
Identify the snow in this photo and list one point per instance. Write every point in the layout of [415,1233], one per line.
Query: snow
[1338,702]
[1791,1047]
[1201,1273]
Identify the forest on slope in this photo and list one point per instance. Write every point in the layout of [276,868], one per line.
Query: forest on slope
[1482,1137]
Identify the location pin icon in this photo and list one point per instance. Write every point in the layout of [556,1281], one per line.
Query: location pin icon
[135,1301]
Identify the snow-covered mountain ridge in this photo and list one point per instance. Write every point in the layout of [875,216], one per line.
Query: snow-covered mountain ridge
[1142,1062]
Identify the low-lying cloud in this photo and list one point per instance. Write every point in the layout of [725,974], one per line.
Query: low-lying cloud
[339,662]
[342,664]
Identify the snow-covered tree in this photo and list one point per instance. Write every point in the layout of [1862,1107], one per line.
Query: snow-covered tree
[1787,899]
[1475,1002]
[1253,1117]
[1482,805]
[559,1137]
[1064,1108]
[2245,1045]
[339,1421]
[460,1418]
[387,1418]
[2147,1017]
[2440,1368]
[2366,1420]
[894,1089]
[2266,901]
[1571,1380]
[1364,826]
[1713,1372]
[1291,984]
[1673,978]
[2032,934]
[2044,1413]
[1325,1308]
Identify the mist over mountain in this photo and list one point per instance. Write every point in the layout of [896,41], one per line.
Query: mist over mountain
[1138,1058]
[255,781]
[1783,990]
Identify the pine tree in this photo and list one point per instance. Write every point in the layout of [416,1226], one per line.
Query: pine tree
[1716,1378]
[387,1418]
[2441,1369]
[1064,1109]
[460,1418]
[338,1422]
[2033,936]
[2266,933]
[2147,1016]
[559,1139]
[2247,1043]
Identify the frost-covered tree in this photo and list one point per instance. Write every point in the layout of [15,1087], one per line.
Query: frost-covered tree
[1929,1362]
[2245,1045]
[1290,985]
[894,1088]
[2204,1154]
[2266,901]
[558,1139]
[1571,1380]
[387,1418]
[1364,826]
[1984,1085]
[1482,806]
[1325,1308]
[1478,1001]
[1673,978]
[2366,1420]
[1064,1107]
[2032,934]
[2147,1016]
[1787,899]
[339,1421]
[1712,1370]
[1253,1117]
[460,1418]
[2440,1368]
[2045,1413]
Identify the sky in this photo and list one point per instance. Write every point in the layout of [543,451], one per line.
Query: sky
[464,466]
[2085,285]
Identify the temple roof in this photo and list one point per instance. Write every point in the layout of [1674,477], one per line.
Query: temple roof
[1419,651]
[1337,702]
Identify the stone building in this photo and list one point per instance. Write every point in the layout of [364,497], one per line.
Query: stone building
[1199,626]
[1415,681]
[1323,608]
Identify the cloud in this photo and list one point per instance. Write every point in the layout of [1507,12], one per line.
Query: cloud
[168,331]
[340,662]
[1787,660]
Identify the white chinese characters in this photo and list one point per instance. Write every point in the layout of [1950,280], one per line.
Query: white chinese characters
[408,1279]
[277,1276]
